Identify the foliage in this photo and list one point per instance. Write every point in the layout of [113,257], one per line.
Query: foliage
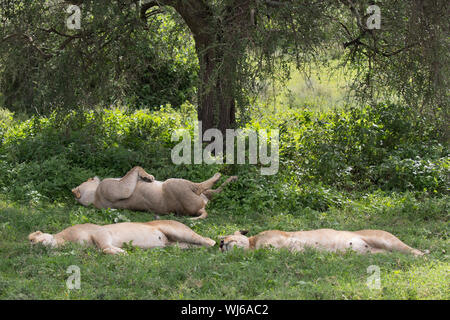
[73,147]
[42,158]
[145,56]
[382,146]
[320,153]
[113,59]
[406,57]
[383,166]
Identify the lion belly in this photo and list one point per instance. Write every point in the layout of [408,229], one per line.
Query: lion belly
[137,234]
[146,197]
[323,239]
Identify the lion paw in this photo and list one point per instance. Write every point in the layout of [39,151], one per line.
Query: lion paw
[113,250]
[148,178]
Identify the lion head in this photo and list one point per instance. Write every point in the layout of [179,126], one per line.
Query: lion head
[238,239]
[45,238]
[85,192]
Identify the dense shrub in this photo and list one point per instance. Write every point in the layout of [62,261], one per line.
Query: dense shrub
[52,155]
[383,146]
[322,155]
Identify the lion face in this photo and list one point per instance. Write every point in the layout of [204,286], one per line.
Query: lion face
[45,238]
[85,192]
[238,239]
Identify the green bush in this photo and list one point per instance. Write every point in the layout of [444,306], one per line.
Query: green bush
[322,155]
[413,174]
[364,148]
[48,156]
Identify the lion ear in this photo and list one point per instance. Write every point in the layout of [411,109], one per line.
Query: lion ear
[96,179]
[241,232]
[76,193]
[34,234]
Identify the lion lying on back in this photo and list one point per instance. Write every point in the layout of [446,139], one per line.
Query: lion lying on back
[139,191]
[363,241]
[110,238]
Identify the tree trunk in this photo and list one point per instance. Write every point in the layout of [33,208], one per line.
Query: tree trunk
[216,98]
[218,63]
[206,90]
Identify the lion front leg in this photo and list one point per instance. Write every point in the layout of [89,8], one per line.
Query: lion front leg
[119,189]
[103,240]
[144,175]
[177,232]
[136,173]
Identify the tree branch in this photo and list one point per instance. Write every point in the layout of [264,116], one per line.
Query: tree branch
[147,6]
[30,40]
[275,4]
[363,31]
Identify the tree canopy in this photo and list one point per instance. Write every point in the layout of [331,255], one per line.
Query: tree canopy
[155,52]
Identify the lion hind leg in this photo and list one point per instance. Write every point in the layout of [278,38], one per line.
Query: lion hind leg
[210,192]
[388,242]
[203,215]
[377,250]
[201,187]
[184,245]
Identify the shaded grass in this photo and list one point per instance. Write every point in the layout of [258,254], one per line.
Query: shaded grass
[322,88]
[171,273]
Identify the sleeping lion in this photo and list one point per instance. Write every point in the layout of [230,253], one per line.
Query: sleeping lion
[139,191]
[110,238]
[363,241]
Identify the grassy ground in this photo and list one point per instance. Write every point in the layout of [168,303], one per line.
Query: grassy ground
[322,88]
[44,159]
[39,273]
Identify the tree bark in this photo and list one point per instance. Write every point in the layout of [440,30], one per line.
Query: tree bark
[217,55]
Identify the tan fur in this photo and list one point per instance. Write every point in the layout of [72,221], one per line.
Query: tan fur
[138,190]
[110,238]
[363,241]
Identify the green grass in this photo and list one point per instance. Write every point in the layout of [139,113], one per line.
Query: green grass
[171,273]
[334,165]
[322,88]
